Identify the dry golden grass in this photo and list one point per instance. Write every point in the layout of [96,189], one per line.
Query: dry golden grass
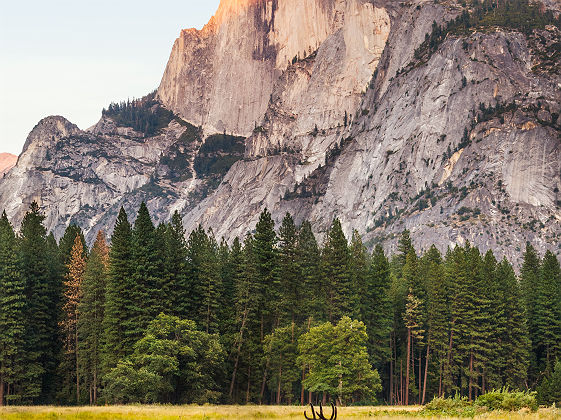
[233,412]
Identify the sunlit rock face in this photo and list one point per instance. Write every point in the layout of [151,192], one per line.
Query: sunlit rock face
[333,115]
[222,77]
[7,162]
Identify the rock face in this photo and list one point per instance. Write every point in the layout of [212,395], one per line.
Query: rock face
[7,162]
[222,77]
[322,108]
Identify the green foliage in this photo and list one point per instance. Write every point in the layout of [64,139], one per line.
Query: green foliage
[118,302]
[39,259]
[507,400]
[12,312]
[451,406]
[338,361]
[144,115]
[217,155]
[521,15]
[172,362]
[549,391]
[504,400]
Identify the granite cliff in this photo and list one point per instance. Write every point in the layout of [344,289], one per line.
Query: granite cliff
[380,113]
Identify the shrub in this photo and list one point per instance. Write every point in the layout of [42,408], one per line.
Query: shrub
[451,406]
[508,400]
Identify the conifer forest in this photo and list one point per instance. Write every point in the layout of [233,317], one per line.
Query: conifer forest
[154,314]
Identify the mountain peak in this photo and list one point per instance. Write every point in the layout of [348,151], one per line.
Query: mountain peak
[51,128]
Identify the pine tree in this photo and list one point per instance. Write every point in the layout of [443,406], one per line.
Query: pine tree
[529,281]
[266,260]
[176,287]
[12,312]
[117,341]
[145,289]
[548,313]
[336,272]
[289,276]
[376,307]
[66,244]
[211,286]
[90,321]
[437,315]
[42,308]
[358,266]
[314,299]
[72,297]
[515,343]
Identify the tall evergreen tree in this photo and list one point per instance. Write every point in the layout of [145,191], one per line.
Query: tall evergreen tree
[548,313]
[90,321]
[313,301]
[117,340]
[289,275]
[515,342]
[42,309]
[12,312]
[176,285]
[72,297]
[358,267]
[337,274]
[376,308]
[145,289]
[529,281]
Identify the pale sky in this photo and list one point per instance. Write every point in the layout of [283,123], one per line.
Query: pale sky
[73,57]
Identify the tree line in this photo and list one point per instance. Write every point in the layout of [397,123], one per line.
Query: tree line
[275,317]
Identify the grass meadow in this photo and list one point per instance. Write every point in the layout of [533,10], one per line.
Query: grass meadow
[211,412]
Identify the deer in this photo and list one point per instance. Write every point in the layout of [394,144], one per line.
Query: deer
[320,414]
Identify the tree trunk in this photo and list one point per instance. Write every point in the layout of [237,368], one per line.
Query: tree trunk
[408,362]
[77,366]
[470,386]
[391,371]
[426,372]
[420,383]
[401,382]
[440,379]
[340,388]
[279,386]
[2,389]
[302,390]
[238,353]
[248,383]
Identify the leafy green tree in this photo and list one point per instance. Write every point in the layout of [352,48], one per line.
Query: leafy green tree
[12,312]
[176,284]
[91,310]
[172,363]
[117,341]
[338,361]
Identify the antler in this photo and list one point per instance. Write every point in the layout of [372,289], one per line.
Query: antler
[313,414]
[320,414]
